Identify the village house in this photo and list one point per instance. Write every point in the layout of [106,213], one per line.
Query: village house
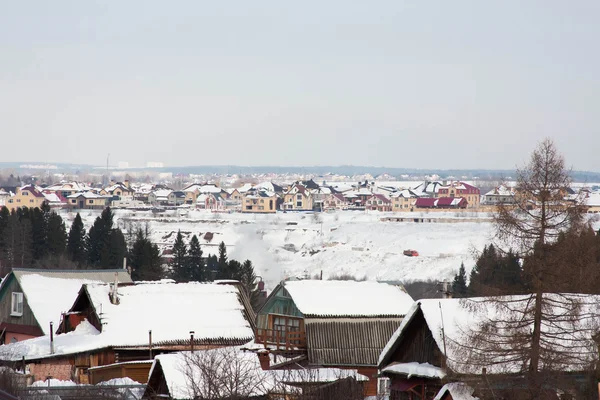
[260,201]
[297,198]
[120,190]
[159,197]
[331,324]
[30,299]
[176,198]
[194,190]
[461,189]
[66,189]
[26,196]
[499,195]
[109,326]
[88,201]
[334,201]
[54,200]
[358,198]
[211,201]
[403,200]
[592,202]
[427,349]
[234,195]
[379,202]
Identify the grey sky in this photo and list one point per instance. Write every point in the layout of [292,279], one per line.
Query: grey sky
[426,84]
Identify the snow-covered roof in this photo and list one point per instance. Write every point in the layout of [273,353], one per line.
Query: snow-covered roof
[49,293]
[72,186]
[176,368]
[501,190]
[88,195]
[458,391]
[214,312]
[593,200]
[460,316]
[162,192]
[53,198]
[348,298]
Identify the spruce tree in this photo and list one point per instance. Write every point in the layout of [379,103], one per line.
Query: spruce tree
[76,245]
[222,264]
[56,235]
[195,262]
[247,278]
[179,262]
[117,250]
[144,259]
[212,267]
[459,285]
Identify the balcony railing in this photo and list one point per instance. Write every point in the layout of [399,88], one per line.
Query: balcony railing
[289,339]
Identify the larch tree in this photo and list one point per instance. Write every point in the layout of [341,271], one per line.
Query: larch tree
[527,330]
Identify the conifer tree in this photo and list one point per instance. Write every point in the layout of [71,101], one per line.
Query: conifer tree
[76,245]
[56,235]
[459,285]
[195,262]
[144,259]
[212,266]
[247,278]
[179,263]
[222,264]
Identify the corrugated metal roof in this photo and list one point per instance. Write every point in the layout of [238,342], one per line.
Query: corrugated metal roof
[348,342]
[103,275]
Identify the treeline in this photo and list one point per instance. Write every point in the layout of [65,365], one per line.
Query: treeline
[575,259]
[37,238]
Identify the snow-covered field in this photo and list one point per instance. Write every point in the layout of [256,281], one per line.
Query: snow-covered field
[345,242]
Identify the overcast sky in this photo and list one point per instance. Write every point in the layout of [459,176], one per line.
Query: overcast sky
[423,84]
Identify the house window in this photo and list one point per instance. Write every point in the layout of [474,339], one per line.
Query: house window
[383,386]
[31,201]
[10,201]
[298,204]
[16,309]
[74,201]
[25,194]
[18,200]
[299,197]
[90,201]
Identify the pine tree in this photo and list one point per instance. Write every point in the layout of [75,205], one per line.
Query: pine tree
[195,262]
[76,247]
[106,246]
[179,263]
[39,231]
[222,264]
[459,285]
[144,259]
[233,270]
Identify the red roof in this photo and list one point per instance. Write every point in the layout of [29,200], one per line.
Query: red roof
[425,202]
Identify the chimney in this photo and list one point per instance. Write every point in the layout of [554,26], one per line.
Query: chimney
[51,338]
[150,343]
[192,341]
[264,359]
[114,297]
[125,263]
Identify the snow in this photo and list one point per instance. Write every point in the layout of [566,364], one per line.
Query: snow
[348,298]
[53,382]
[120,382]
[415,369]
[49,297]
[170,310]
[458,390]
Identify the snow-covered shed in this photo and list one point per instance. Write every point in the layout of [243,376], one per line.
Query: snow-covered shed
[332,323]
[30,299]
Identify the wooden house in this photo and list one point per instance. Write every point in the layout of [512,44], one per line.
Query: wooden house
[332,324]
[379,202]
[109,325]
[430,347]
[31,299]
